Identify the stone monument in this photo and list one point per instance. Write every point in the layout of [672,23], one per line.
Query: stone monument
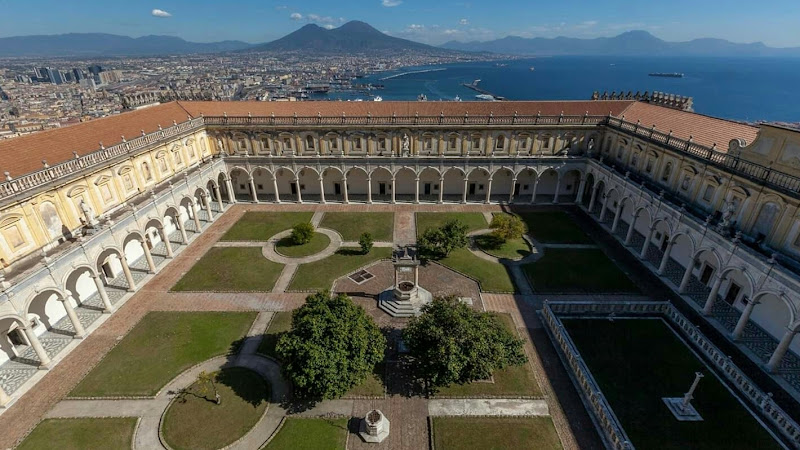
[91,222]
[406,145]
[374,427]
[681,407]
[405,298]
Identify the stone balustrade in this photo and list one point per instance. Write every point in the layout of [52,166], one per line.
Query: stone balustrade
[721,363]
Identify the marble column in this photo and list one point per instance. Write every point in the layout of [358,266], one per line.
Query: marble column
[207,206]
[148,256]
[44,360]
[488,191]
[101,291]
[416,191]
[369,190]
[167,243]
[179,223]
[231,196]
[617,216]
[195,218]
[299,194]
[218,195]
[253,192]
[743,319]
[535,188]
[592,199]
[275,189]
[4,398]
[646,245]
[665,259]
[126,269]
[631,228]
[687,278]
[80,332]
[581,188]
[466,185]
[777,357]
[558,189]
[394,189]
[441,190]
[603,210]
[511,194]
[344,191]
[322,190]
[712,296]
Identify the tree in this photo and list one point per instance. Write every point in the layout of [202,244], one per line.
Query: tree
[438,243]
[206,380]
[507,226]
[332,346]
[365,241]
[453,343]
[302,233]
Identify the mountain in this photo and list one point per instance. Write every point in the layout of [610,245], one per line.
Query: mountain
[352,37]
[100,44]
[631,43]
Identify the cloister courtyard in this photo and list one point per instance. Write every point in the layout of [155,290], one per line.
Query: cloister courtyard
[218,308]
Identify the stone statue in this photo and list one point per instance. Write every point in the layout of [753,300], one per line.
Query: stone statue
[727,213]
[406,144]
[219,146]
[88,214]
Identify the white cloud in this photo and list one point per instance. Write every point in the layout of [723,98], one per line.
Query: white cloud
[296,16]
[463,22]
[160,13]
[328,27]
[414,26]
[391,3]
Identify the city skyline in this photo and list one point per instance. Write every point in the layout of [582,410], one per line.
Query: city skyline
[680,20]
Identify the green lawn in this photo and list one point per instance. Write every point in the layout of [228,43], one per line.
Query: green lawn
[310,434]
[231,269]
[321,274]
[318,243]
[350,225]
[81,434]
[513,249]
[281,322]
[637,362]
[577,271]
[500,433]
[554,227]
[260,226]
[513,381]
[159,348]
[473,221]
[493,277]
[194,422]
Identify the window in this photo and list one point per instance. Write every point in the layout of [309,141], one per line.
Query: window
[191,151]
[265,143]
[649,167]
[309,143]
[523,143]
[619,153]
[382,143]
[428,143]
[709,193]
[162,164]
[501,143]
[177,157]
[452,143]
[686,181]
[635,160]
[546,142]
[287,143]
[242,145]
[357,143]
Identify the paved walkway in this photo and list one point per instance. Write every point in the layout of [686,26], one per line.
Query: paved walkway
[487,407]
[405,228]
[271,254]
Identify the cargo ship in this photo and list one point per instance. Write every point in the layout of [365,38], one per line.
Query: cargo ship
[667,75]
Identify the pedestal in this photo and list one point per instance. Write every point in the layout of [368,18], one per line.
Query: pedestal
[687,414]
[374,427]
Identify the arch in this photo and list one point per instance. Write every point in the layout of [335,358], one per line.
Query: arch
[405,181]
[262,179]
[682,251]
[357,183]
[8,348]
[477,184]
[240,181]
[333,180]
[223,187]
[503,181]
[380,179]
[588,188]
[743,278]
[453,184]
[308,183]
[547,181]
[287,187]
[430,184]
[717,260]
[568,185]
[40,295]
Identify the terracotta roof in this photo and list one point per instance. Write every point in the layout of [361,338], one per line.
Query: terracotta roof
[704,130]
[327,108]
[24,154]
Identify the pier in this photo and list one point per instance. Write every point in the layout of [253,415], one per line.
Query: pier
[411,73]
[474,86]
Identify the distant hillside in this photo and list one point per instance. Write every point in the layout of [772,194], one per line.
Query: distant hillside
[100,44]
[631,43]
[352,37]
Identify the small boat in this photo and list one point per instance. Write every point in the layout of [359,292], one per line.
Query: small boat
[532,69]
[377,98]
[486,97]
[457,99]
[666,75]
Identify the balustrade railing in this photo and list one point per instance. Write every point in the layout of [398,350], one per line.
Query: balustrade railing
[756,172]
[744,386]
[14,186]
[395,120]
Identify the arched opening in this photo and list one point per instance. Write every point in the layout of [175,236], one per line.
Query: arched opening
[597,195]
[223,188]
[477,185]
[287,187]
[453,185]
[265,188]
[736,287]
[110,267]
[405,181]
[82,286]
[240,180]
[310,147]
[772,314]
[546,189]
[429,185]
[187,209]
[659,238]
[46,314]
[334,184]
[133,248]
[153,232]
[588,188]
[568,187]
[357,184]
[13,343]
[381,181]
[503,185]
[523,188]
[173,225]
[611,202]
[308,183]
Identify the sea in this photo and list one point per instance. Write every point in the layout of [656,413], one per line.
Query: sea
[746,89]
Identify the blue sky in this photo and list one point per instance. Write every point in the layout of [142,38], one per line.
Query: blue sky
[432,21]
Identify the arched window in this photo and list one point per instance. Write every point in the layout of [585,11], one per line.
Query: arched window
[667,172]
[148,176]
[309,143]
[177,157]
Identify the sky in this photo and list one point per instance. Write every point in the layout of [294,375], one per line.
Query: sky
[773,22]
